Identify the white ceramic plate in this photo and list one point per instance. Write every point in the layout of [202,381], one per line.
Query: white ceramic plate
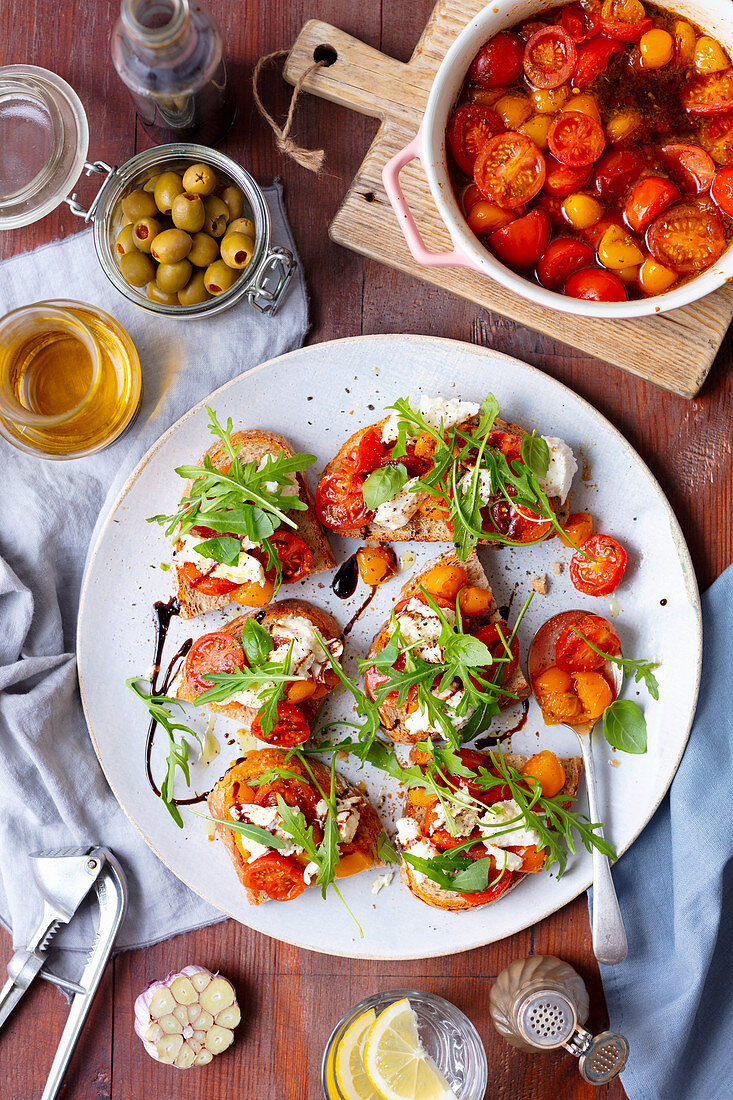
[317,397]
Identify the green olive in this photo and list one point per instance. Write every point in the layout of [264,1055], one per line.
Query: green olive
[199,179]
[242,225]
[149,185]
[217,216]
[139,204]
[167,186]
[234,199]
[137,268]
[125,242]
[194,292]
[188,212]
[170,246]
[144,233]
[155,294]
[218,277]
[237,250]
[173,277]
[124,220]
[204,250]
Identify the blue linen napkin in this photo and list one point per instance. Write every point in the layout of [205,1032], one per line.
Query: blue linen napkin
[671,996]
[52,790]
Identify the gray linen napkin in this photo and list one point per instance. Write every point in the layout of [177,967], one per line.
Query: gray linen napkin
[52,791]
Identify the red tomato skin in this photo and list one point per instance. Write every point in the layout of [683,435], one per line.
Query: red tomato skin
[703,224]
[339,502]
[616,172]
[489,635]
[280,877]
[721,191]
[561,180]
[295,555]
[366,454]
[595,284]
[468,128]
[499,62]
[580,24]
[493,186]
[571,652]
[625,32]
[575,139]
[716,137]
[208,586]
[594,233]
[709,93]
[593,57]
[493,892]
[649,198]
[690,165]
[541,41]
[560,259]
[521,243]
[214,653]
[603,577]
[290,730]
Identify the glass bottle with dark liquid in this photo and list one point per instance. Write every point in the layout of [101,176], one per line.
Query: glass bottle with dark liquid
[169,54]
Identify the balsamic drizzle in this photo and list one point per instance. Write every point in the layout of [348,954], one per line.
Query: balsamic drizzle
[346,578]
[485,741]
[349,626]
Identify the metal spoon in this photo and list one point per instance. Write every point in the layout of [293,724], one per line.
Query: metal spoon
[609,935]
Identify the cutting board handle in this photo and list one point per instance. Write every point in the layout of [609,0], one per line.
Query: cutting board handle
[358,77]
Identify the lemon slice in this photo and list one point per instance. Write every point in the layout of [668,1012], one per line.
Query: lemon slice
[395,1061]
[350,1073]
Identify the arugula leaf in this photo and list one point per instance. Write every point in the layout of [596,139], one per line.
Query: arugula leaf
[489,413]
[642,669]
[257,642]
[383,484]
[624,726]
[246,829]
[386,849]
[223,549]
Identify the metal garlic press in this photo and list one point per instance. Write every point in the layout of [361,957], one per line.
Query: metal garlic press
[64,878]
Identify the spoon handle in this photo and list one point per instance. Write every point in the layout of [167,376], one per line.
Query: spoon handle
[609,934]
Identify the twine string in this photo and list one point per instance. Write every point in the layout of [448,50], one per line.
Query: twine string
[312,159]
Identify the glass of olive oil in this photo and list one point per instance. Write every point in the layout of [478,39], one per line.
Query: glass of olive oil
[69,379]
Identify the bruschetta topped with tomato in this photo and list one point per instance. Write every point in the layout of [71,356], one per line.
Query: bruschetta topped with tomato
[268,669]
[482,823]
[445,663]
[292,823]
[438,470]
[246,523]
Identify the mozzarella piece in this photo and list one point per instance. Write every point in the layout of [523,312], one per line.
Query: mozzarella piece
[309,872]
[425,850]
[247,569]
[420,624]
[395,513]
[495,826]
[381,881]
[513,861]
[418,721]
[433,409]
[267,817]
[484,484]
[407,831]
[561,471]
[288,490]
[307,657]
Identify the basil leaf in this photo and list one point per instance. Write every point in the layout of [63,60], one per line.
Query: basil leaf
[383,484]
[223,549]
[536,454]
[624,726]
[475,878]
[467,650]
[386,849]
[257,642]
[260,525]
[489,413]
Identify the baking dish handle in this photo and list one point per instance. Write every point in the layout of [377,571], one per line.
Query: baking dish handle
[405,220]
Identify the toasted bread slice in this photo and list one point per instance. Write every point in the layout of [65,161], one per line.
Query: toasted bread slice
[254,446]
[421,527]
[393,717]
[275,613]
[432,894]
[255,764]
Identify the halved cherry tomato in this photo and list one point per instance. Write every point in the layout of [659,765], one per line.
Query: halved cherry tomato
[469,129]
[366,454]
[498,63]
[549,57]
[686,238]
[595,284]
[470,197]
[648,199]
[624,20]
[593,58]
[716,136]
[722,191]
[339,500]
[553,208]
[518,524]
[487,217]
[561,180]
[616,172]
[594,233]
[709,93]
[280,877]
[533,858]
[374,679]
[493,891]
[690,165]
[208,586]
[294,554]
[489,635]
[578,527]
[509,444]
[575,139]
[572,654]
[579,23]
[509,170]
[212,654]
[560,259]
[290,729]
[600,574]
[296,793]
[522,242]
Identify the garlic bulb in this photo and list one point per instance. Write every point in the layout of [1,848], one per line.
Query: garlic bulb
[187,1018]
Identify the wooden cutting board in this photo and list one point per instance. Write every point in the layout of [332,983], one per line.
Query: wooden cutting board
[674,350]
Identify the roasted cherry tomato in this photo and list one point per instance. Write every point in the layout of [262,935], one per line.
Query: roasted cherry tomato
[549,57]
[469,129]
[290,729]
[296,793]
[280,877]
[212,654]
[522,242]
[486,217]
[489,635]
[594,233]
[518,524]
[593,58]
[686,238]
[208,586]
[509,170]
[373,679]
[493,891]
[560,259]
[616,172]
[690,165]
[579,23]
[649,198]
[509,444]
[470,197]
[575,139]
[339,500]
[624,20]
[367,453]
[601,573]
[498,63]
[722,191]
[709,93]
[595,284]
[474,760]
[294,554]
[572,654]
[716,137]
[577,528]
[561,180]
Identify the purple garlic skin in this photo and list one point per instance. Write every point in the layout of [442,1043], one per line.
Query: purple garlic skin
[187,1018]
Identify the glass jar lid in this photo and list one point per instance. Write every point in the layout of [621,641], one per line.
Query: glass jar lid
[44,137]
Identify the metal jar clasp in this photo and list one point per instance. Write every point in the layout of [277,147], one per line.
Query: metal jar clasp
[98,168]
[272,279]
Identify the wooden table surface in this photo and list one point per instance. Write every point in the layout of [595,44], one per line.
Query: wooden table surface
[292,998]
